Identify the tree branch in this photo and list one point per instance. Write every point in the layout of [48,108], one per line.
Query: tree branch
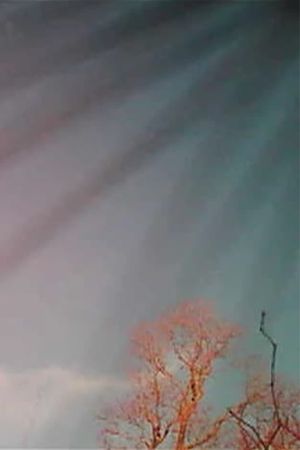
[273,365]
[244,425]
[242,422]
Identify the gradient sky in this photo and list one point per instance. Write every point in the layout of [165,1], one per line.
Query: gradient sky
[148,153]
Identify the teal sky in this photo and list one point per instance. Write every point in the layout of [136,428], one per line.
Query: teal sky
[149,152]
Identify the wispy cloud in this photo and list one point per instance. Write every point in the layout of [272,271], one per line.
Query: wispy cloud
[32,399]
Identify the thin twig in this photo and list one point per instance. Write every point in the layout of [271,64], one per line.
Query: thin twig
[273,365]
[244,425]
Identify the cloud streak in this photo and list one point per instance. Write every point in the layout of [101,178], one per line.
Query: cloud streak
[31,400]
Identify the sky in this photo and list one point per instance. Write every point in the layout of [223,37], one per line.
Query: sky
[148,154]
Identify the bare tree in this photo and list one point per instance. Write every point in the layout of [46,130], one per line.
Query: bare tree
[268,417]
[176,355]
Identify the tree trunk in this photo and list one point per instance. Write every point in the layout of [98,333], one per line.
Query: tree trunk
[180,442]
